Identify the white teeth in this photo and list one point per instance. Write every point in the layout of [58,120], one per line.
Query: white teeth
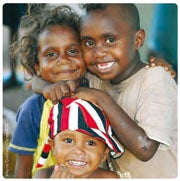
[77,163]
[105,65]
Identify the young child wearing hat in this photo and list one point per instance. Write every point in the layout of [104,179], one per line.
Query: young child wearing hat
[81,138]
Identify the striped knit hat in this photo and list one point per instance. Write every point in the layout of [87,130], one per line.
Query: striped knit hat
[82,116]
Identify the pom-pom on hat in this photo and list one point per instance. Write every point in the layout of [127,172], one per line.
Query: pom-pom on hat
[82,116]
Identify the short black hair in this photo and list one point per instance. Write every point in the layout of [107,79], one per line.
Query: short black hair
[129,9]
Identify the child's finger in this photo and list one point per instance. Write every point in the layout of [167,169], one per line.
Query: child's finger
[64,172]
[61,171]
[72,86]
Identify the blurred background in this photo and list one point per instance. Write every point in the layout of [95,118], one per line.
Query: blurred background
[158,20]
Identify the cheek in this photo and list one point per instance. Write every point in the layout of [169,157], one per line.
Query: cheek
[87,56]
[59,154]
[99,151]
[46,71]
[82,65]
[44,66]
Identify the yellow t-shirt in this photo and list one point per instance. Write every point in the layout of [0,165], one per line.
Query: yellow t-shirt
[44,131]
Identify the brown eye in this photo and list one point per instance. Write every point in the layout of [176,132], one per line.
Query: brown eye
[110,40]
[89,43]
[51,55]
[72,52]
[68,140]
[91,143]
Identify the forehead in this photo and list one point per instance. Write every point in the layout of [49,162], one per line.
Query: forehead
[112,17]
[76,133]
[59,31]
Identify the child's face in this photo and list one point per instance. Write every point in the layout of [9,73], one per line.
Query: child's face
[109,44]
[81,153]
[60,55]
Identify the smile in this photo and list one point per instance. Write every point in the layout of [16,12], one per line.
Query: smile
[105,66]
[67,71]
[77,163]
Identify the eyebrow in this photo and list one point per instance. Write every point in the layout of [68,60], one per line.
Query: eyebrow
[86,38]
[49,47]
[108,34]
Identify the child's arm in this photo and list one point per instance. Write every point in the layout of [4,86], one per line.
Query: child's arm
[53,91]
[127,131]
[24,165]
[38,84]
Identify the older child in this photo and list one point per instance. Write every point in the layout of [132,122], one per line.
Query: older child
[81,137]
[143,113]
[50,48]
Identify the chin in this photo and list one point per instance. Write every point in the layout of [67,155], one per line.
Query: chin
[105,77]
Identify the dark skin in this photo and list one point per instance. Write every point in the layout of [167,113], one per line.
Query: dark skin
[136,141]
[127,131]
[114,56]
[71,147]
[48,172]
[59,52]
[23,162]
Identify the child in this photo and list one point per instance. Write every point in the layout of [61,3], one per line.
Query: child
[143,111]
[145,116]
[55,58]
[81,137]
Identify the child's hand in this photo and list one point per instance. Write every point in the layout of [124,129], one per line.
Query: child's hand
[153,61]
[60,171]
[91,94]
[58,90]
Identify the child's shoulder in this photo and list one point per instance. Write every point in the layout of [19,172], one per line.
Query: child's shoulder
[35,100]
[157,74]
[102,173]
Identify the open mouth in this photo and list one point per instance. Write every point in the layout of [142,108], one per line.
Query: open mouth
[77,163]
[105,66]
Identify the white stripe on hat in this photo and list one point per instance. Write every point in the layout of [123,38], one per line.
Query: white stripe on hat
[93,113]
[103,136]
[55,113]
[42,161]
[120,146]
[73,116]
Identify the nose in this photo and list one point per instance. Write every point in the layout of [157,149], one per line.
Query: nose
[63,60]
[78,149]
[99,50]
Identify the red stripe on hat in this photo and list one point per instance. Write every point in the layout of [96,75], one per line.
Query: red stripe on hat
[46,148]
[51,122]
[65,118]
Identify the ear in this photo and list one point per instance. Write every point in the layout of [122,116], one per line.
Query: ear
[37,69]
[51,143]
[139,38]
[106,152]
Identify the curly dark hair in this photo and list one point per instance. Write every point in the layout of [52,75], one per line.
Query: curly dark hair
[38,18]
[129,10]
